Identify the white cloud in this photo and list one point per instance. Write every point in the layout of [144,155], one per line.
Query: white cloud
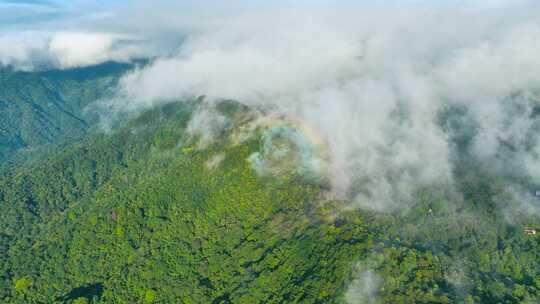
[81,49]
[372,78]
[31,50]
[22,50]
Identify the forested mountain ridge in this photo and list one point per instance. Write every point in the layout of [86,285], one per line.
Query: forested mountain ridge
[340,152]
[156,212]
[41,108]
[187,232]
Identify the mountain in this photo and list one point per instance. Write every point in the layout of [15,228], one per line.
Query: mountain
[321,152]
[147,217]
[38,109]
[158,211]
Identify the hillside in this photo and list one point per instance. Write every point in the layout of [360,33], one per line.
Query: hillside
[245,152]
[158,212]
[41,108]
[185,230]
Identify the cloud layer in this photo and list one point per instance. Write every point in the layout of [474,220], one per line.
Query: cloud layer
[37,50]
[376,80]
[401,90]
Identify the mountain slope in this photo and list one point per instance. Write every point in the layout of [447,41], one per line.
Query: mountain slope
[158,212]
[154,222]
[37,109]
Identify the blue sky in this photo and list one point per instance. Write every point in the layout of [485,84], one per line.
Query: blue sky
[25,14]
[31,13]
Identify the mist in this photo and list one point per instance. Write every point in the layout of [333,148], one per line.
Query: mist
[404,92]
[363,289]
[380,82]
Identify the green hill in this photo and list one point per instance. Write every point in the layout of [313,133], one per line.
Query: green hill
[41,108]
[157,213]
[136,218]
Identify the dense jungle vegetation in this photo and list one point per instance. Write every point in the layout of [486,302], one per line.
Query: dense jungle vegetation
[145,214]
[38,109]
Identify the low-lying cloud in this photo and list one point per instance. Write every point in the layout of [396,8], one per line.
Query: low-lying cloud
[375,80]
[403,91]
[29,51]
